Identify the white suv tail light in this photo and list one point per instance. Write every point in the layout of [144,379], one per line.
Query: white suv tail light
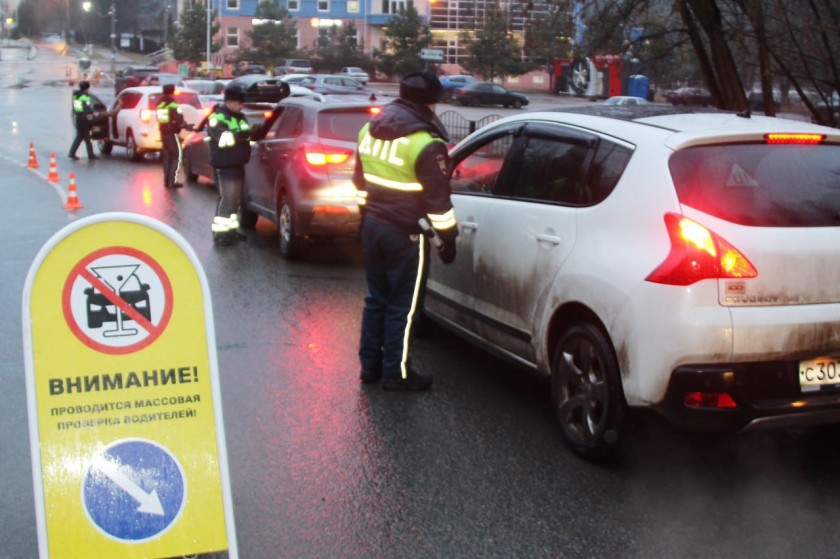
[697,254]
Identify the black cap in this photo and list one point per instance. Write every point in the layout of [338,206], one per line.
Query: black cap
[234,93]
[421,87]
[169,89]
[84,85]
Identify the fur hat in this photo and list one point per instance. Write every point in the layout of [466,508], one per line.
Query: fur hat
[169,89]
[421,87]
[84,86]
[234,94]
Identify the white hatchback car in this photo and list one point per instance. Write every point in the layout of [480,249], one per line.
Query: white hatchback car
[651,257]
[134,125]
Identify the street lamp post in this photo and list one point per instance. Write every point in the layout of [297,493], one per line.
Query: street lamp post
[113,12]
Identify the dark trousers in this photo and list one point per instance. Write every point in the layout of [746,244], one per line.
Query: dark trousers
[82,135]
[229,181]
[396,266]
[171,156]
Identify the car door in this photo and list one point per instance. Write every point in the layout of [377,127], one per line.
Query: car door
[99,124]
[528,231]
[499,96]
[476,169]
[271,157]
[125,105]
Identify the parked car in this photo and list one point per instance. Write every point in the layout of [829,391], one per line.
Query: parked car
[331,84]
[203,87]
[292,78]
[293,66]
[652,257]
[243,68]
[626,100]
[133,122]
[690,96]
[132,76]
[452,82]
[260,88]
[163,78]
[486,93]
[354,72]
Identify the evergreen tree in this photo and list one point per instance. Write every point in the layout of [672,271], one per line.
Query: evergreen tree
[273,40]
[338,48]
[405,36]
[494,51]
[190,42]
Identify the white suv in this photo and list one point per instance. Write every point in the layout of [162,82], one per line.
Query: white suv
[134,124]
[652,257]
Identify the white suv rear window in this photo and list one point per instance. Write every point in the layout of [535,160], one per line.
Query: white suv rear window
[761,185]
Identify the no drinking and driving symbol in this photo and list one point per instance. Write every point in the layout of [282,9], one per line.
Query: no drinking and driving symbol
[117,300]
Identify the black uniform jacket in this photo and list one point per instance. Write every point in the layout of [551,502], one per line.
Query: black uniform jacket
[398,119]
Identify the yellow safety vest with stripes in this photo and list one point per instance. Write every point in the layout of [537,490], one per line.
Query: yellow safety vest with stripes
[390,163]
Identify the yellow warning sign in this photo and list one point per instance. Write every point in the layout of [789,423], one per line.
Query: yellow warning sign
[128,444]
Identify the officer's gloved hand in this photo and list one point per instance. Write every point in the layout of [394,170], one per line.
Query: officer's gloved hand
[447,249]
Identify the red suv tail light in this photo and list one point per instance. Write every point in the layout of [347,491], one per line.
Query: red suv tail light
[698,253]
[319,155]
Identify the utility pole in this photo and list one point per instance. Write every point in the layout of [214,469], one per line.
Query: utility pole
[209,27]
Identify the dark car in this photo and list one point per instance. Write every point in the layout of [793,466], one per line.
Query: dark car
[487,93]
[243,68]
[690,96]
[329,84]
[132,76]
[260,88]
[99,123]
[452,82]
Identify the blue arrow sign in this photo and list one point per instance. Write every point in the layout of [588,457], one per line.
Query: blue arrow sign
[134,490]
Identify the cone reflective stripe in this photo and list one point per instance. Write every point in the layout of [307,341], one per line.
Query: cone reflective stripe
[72,195]
[53,176]
[33,161]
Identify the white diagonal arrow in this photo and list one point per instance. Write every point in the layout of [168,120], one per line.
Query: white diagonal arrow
[149,502]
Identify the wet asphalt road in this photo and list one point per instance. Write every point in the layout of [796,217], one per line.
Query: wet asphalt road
[323,468]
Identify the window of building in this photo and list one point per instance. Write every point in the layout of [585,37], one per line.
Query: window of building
[395,6]
[323,5]
[293,5]
[232,4]
[232,37]
[353,6]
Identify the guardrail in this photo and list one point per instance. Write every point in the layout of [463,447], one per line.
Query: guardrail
[459,127]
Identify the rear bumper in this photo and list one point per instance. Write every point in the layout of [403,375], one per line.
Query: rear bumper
[766,394]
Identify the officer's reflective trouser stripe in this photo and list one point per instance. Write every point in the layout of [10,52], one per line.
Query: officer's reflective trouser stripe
[180,158]
[418,282]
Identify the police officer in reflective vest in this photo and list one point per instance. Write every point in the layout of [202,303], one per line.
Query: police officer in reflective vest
[170,122]
[230,150]
[402,177]
[83,114]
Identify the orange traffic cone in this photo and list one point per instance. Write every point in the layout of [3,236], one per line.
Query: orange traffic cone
[72,195]
[53,176]
[33,161]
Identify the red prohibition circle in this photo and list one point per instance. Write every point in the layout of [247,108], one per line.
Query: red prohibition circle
[154,332]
